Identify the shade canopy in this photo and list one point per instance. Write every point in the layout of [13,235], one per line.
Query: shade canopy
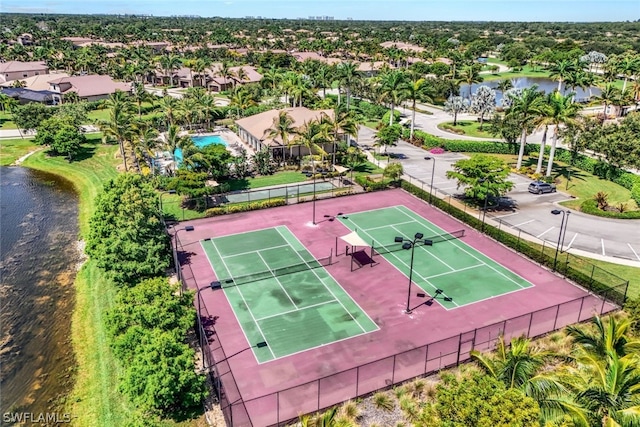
[354,240]
[340,169]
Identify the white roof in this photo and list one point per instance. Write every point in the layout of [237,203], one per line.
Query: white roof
[354,239]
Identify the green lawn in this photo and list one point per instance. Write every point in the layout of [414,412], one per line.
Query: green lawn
[526,71]
[6,121]
[367,168]
[98,165]
[582,185]
[467,127]
[13,149]
[278,178]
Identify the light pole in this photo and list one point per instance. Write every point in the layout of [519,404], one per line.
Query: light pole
[433,170]
[563,232]
[176,262]
[411,244]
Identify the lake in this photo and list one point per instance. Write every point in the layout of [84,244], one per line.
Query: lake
[38,260]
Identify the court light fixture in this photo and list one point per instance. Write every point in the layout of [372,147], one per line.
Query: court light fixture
[411,244]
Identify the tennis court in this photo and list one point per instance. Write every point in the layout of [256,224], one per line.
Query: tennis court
[281,295]
[287,192]
[450,269]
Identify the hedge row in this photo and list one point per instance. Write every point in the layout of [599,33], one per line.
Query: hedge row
[370,185]
[610,291]
[590,207]
[245,207]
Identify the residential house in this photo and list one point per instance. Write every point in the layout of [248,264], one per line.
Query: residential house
[254,129]
[91,87]
[251,74]
[39,82]
[24,96]
[17,70]
[303,56]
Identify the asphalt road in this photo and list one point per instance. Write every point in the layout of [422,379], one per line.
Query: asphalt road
[603,238]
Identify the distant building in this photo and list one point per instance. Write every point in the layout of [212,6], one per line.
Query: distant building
[89,88]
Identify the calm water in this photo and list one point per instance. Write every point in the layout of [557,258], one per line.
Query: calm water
[547,85]
[38,258]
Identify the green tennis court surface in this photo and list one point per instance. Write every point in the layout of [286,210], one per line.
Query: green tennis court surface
[461,272]
[281,294]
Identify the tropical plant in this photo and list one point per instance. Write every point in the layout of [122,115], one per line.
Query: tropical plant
[456,105]
[525,109]
[282,127]
[417,89]
[561,111]
[483,102]
[393,89]
[482,176]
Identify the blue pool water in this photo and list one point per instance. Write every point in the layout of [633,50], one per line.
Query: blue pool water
[201,141]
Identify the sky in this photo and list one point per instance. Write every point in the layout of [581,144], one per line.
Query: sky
[411,10]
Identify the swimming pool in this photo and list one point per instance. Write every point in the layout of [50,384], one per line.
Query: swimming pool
[200,142]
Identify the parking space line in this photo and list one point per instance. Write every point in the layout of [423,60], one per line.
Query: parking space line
[504,216]
[522,223]
[544,232]
[634,252]
[602,241]
[571,242]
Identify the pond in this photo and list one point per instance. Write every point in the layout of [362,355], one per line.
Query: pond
[544,84]
[38,258]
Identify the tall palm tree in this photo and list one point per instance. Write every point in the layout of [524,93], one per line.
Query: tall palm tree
[169,63]
[542,121]
[119,127]
[563,111]
[628,66]
[348,76]
[139,94]
[147,141]
[393,89]
[560,70]
[343,122]
[504,85]
[609,95]
[272,77]
[282,127]
[323,77]
[470,75]
[169,105]
[313,135]
[418,89]
[525,108]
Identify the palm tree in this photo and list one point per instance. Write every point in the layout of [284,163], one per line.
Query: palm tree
[169,63]
[348,76]
[606,387]
[504,85]
[323,77]
[147,138]
[628,66]
[560,70]
[173,140]
[418,89]
[241,99]
[563,111]
[169,105]
[470,75]
[525,108]
[393,89]
[313,135]
[282,127]
[272,77]
[139,94]
[542,120]
[343,122]
[119,126]
[608,95]
[606,335]
[520,366]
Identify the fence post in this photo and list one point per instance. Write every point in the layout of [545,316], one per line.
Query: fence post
[459,347]
[318,396]
[426,359]
[357,380]
[580,312]
[555,321]
[530,322]
[393,370]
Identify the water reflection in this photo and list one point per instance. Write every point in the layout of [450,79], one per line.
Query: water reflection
[38,257]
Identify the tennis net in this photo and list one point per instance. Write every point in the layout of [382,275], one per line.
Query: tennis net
[379,250]
[226,282]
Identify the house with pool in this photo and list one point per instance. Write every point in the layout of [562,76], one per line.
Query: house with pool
[253,130]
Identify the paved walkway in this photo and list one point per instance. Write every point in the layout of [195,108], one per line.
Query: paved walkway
[611,240]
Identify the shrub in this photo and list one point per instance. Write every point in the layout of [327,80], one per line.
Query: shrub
[590,206]
[245,207]
[370,185]
[635,192]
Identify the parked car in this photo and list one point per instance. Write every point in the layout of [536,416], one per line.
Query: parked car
[539,187]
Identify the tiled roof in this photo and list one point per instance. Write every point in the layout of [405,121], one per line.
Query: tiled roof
[92,85]
[17,66]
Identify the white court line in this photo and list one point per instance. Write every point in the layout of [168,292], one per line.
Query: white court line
[293,311]
[428,252]
[504,216]
[387,225]
[245,303]
[326,287]
[257,250]
[278,280]
[602,242]
[632,250]
[455,271]
[571,242]
[453,242]
[522,223]
[544,232]
[414,272]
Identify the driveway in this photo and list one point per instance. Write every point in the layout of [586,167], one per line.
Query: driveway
[602,238]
